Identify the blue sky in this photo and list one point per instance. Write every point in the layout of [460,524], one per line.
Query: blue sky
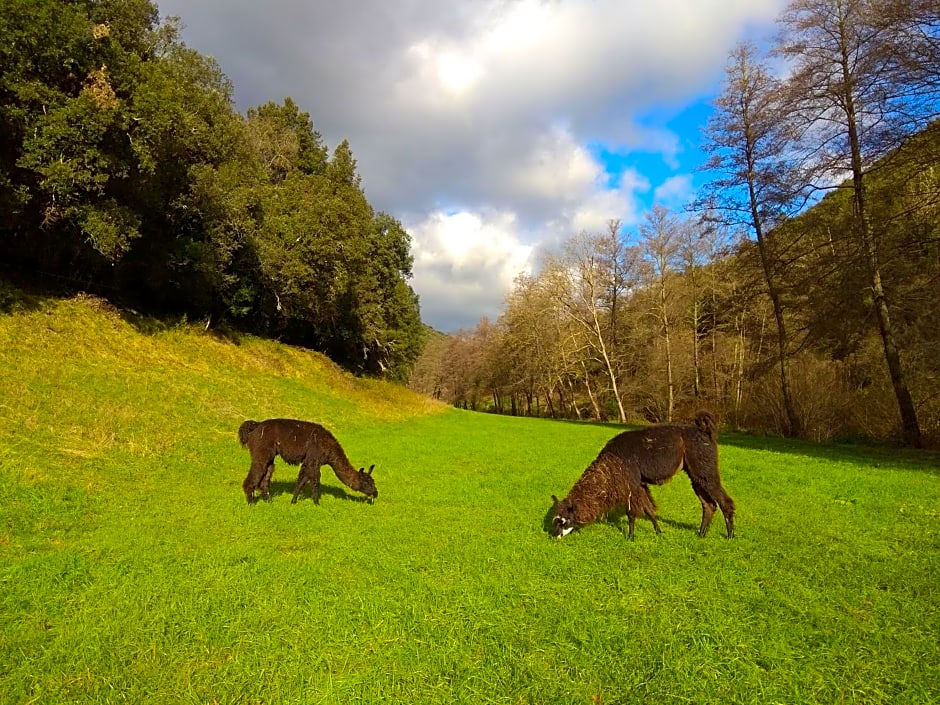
[493,129]
[686,123]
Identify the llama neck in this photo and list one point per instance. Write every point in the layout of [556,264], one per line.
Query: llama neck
[594,492]
[344,470]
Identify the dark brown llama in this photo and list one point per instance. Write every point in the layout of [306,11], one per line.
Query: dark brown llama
[302,443]
[631,461]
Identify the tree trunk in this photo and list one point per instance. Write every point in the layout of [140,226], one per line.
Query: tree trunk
[696,363]
[587,385]
[671,400]
[910,427]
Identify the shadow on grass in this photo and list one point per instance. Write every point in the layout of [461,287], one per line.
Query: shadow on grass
[281,487]
[25,292]
[15,299]
[617,519]
[873,455]
[149,324]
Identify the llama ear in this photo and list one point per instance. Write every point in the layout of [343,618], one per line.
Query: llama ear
[371,468]
[554,501]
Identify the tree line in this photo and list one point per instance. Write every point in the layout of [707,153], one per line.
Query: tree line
[797,295]
[125,170]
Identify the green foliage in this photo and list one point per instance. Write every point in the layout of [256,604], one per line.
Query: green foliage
[283,139]
[126,171]
[133,570]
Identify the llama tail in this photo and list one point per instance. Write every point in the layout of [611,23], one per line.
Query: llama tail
[245,430]
[706,424]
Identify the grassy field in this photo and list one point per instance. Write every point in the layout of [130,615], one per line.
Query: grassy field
[133,570]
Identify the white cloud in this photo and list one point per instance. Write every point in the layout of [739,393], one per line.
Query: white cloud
[619,203]
[489,105]
[557,168]
[675,191]
[465,264]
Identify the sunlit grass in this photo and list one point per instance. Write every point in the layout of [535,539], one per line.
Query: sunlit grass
[133,570]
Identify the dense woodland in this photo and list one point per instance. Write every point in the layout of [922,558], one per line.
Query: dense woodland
[125,170]
[799,295]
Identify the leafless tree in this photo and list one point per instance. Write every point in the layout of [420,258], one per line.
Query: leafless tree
[855,95]
[661,243]
[749,144]
[589,281]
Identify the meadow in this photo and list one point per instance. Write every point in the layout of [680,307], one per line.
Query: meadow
[133,570]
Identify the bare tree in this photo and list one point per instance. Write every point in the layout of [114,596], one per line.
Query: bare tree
[698,248]
[748,143]
[856,96]
[588,282]
[661,243]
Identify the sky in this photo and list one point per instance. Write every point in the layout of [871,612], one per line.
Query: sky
[494,130]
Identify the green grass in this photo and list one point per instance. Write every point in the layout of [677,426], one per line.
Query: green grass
[132,570]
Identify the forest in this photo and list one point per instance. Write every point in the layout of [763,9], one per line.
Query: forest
[126,171]
[797,295]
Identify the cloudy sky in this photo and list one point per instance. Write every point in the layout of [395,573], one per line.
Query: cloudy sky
[493,129]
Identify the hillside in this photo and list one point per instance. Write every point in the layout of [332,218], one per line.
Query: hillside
[81,379]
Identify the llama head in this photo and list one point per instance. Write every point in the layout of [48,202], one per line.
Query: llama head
[565,519]
[366,483]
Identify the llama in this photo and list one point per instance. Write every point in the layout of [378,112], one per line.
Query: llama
[631,461]
[302,443]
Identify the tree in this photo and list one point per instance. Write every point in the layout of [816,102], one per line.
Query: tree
[855,98]
[587,283]
[661,243]
[283,138]
[748,143]
[67,71]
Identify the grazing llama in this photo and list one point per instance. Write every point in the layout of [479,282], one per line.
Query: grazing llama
[302,443]
[631,461]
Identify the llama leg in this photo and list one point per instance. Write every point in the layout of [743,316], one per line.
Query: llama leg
[708,507]
[727,511]
[708,511]
[302,480]
[253,480]
[631,520]
[266,482]
[713,495]
[311,471]
[650,509]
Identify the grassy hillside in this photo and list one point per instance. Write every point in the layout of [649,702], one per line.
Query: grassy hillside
[133,570]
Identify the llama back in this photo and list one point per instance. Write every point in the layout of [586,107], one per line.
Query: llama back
[245,430]
[649,455]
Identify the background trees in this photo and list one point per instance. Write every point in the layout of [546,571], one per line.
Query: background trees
[856,97]
[126,171]
[800,298]
[748,141]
